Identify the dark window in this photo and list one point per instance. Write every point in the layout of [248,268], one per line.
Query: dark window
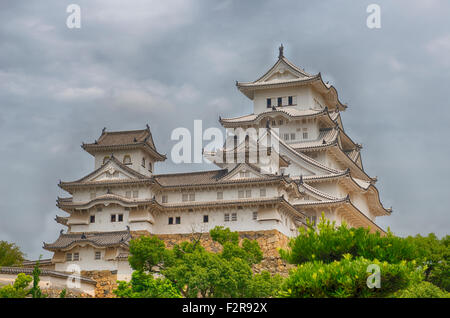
[92,219]
[290,100]
[269,103]
[205,219]
[177,220]
[279,101]
[170,220]
[120,217]
[113,218]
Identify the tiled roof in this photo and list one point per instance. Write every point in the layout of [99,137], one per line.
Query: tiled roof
[325,138]
[190,178]
[100,239]
[290,111]
[44,272]
[130,138]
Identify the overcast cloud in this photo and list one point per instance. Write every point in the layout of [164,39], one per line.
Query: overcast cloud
[167,63]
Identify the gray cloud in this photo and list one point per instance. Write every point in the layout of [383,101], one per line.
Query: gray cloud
[167,63]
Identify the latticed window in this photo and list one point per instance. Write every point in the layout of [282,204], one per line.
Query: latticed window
[127,160]
[262,192]
[69,257]
[234,216]
[98,255]
[76,256]
[205,219]
[226,217]
[177,220]
[248,193]
[164,199]
[255,215]
[92,219]
[120,217]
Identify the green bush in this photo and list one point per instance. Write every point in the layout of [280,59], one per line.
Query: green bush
[144,285]
[421,290]
[329,243]
[348,278]
[18,289]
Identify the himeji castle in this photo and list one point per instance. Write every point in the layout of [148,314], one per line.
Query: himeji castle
[315,169]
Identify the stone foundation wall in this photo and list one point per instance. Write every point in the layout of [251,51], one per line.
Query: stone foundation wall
[269,241]
[106,282]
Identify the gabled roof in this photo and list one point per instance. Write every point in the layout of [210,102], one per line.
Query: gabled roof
[283,74]
[112,140]
[99,239]
[67,204]
[289,112]
[136,176]
[190,178]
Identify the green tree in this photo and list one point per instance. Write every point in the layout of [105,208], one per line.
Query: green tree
[10,254]
[195,272]
[435,254]
[35,290]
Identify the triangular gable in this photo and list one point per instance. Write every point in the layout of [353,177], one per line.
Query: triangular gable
[111,170]
[302,160]
[243,171]
[282,70]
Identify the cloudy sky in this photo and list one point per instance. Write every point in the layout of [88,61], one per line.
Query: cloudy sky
[167,63]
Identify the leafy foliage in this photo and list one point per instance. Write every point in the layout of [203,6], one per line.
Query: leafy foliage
[421,290]
[348,278]
[329,243]
[18,289]
[10,254]
[144,285]
[195,272]
[435,254]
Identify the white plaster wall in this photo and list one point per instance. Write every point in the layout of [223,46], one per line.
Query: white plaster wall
[87,260]
[50,282]
[136,159]
[303,97]
[103,220]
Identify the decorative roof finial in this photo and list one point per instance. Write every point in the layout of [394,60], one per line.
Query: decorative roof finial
[103,130]
[147,126]
[280,55]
